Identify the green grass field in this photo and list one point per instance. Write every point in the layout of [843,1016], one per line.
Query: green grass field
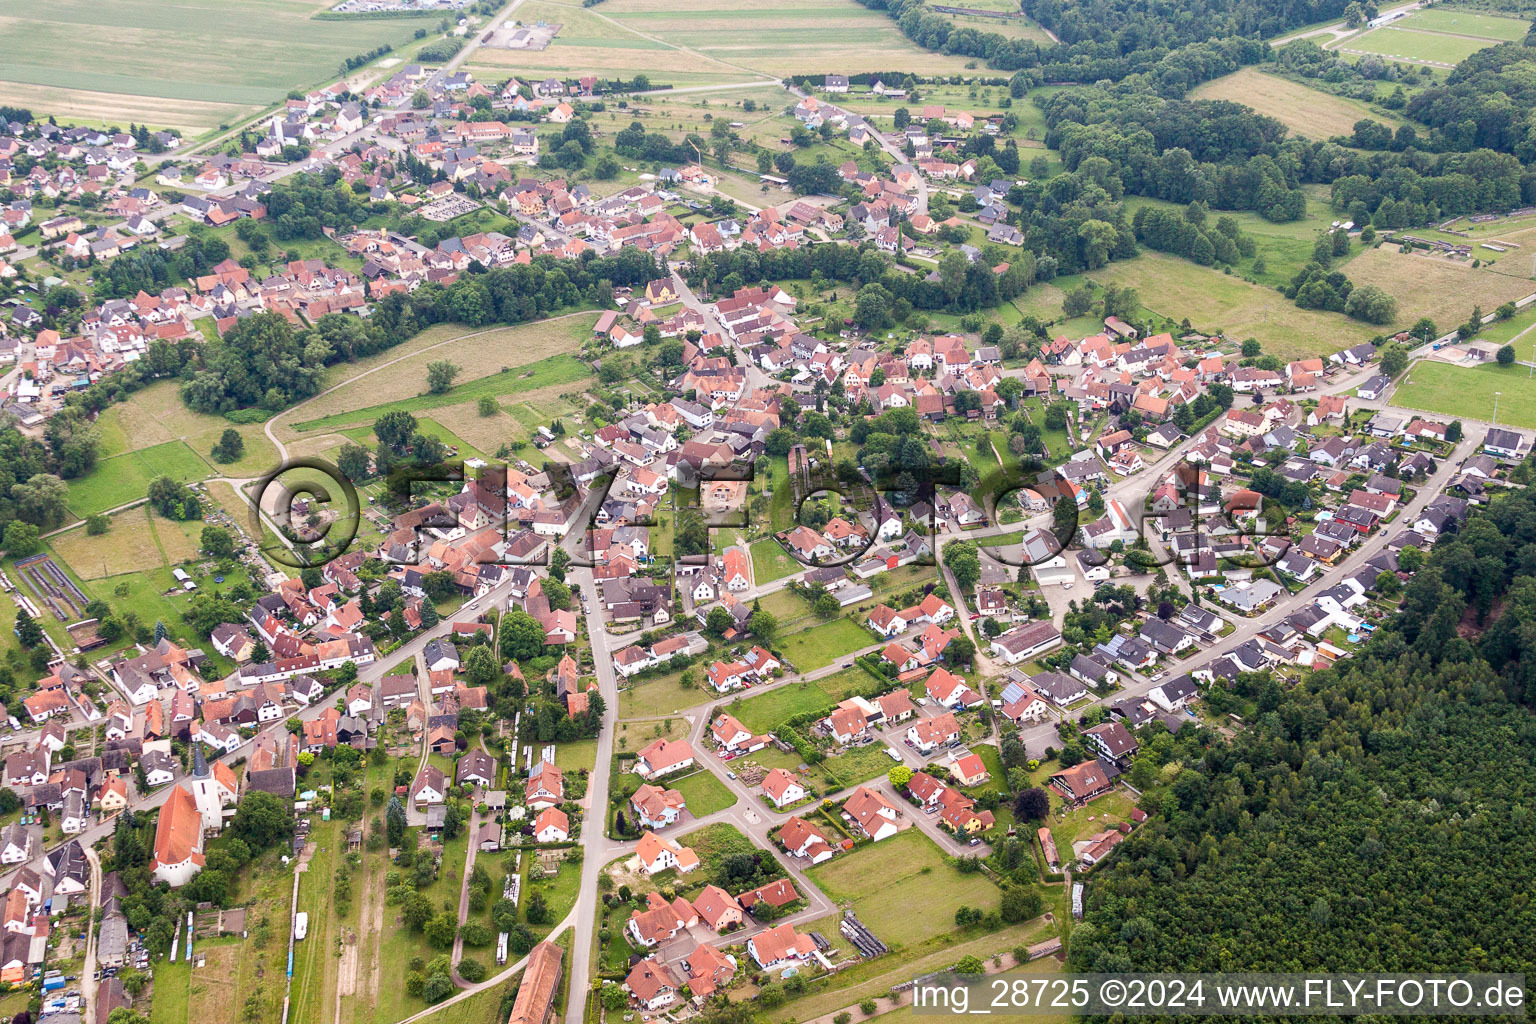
[822,645]
[1390,41]
[705,793]
[767,711]
[903,888]
[553,371]
[1468,391]
[1468,23]
[124,478]
[188,64]
[771,562]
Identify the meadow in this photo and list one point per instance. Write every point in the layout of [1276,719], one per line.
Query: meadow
[1304,110]
[1467,23]
[123,478]
[482,356]
[1175,288]
[156,415]
[189,65]
[1429,286]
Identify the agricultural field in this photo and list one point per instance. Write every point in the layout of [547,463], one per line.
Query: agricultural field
[590,41]
[186,65]
[796,37]
[1305,111]
[1468,391]
[903,888]
[1429,286]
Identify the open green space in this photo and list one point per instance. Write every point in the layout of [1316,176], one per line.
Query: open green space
[822,645]
[705,793]
[125,478]
[903,888]
[767,711]
[771,562]
[555,370]
[1467,23]
[1437,47]
[1469,391]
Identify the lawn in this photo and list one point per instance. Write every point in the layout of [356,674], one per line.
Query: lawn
[1468,391]
[581,754]
[661,695]
[858,764]
[903,888]
[705,793]
[766,712]
[184,64]
[822,645]
[771,562]
[124,478]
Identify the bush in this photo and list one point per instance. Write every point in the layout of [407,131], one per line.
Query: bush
[471,970]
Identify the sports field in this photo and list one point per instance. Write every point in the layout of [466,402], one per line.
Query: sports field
[1468,391]
[1467,23]
[1305,111]
[192,64]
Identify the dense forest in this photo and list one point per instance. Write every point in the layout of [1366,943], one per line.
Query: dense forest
[1377,817]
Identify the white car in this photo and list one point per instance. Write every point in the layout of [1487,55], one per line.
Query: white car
[893,754]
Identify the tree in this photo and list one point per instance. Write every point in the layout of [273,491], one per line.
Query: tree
[1506,355]
[440,374]
[964,564]
[43,500]
[394,429]
[20,538]
[218,542]
[899,776]
[261,820]
[1251,348]
[521,635]
[1371,304]
[440,931]
[1020,903]
[718,621]
[1394,359]
[1453,432]
[352,461]
[97,524]
[1031,804]
[969,964]
[230,448]
[764,625]
[486,406]
[27,630]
